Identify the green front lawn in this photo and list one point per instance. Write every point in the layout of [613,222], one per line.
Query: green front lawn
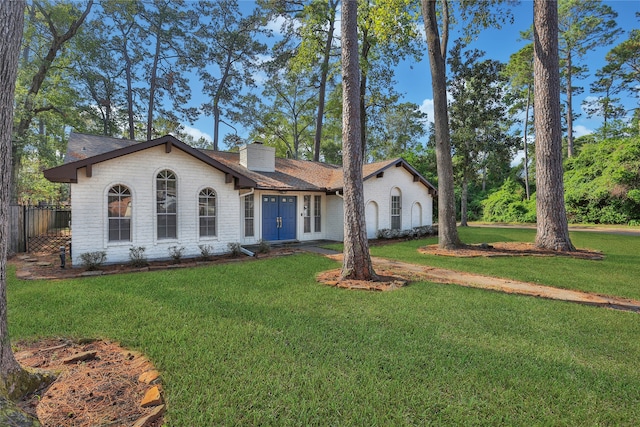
[261,343]
[618,274]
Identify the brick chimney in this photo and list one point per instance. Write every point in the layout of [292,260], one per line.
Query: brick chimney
[258,157]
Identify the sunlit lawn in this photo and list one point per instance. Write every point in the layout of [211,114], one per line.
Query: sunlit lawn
[261,343]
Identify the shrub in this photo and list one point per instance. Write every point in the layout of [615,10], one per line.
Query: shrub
[602,184]
[176,253]
[206,252]
[93,260]
[415,233]
[508,204]
[263,247]
[235,249]
[137,257]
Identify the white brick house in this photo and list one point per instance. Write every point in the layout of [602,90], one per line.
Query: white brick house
[163,193]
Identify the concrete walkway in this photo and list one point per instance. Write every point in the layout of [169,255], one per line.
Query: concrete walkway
[441,275]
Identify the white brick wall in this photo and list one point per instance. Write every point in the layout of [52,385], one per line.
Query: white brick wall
[138,171]
[379,190]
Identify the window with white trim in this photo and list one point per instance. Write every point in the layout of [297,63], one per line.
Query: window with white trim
[396,209]
[306,210]
[166,205]
[119,213]
[248,216]
[207,212]
[317,218]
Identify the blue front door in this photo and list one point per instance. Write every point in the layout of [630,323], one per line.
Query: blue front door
[278,217]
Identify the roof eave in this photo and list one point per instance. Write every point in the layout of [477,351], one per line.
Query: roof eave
[68,172]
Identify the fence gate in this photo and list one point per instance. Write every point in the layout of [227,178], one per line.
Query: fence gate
[46,228]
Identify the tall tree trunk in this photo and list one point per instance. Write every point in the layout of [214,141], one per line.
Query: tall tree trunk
[357,260]
[366,47]
[552,228]
[447,231]
[153,81]
[11,21]
[569,107]
[526,148]
[129,77]
[324,72]
[463,201]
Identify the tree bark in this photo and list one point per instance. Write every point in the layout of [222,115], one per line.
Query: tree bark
[447,231]
[552,227]
[128,64]
[464,202]
[11,22]
[357,260]
[153,80]
[366,47]
[569,107]
[324,72]
[526,145]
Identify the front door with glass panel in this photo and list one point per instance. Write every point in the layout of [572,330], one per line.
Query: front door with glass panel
[278,217]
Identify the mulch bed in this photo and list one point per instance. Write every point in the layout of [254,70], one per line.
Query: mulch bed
[508,249]
[101,391]
[34,266]
[387,281]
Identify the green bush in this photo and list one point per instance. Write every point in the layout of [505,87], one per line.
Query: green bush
[93,260]
[176,253]
[235,249]
[206,252]
[263,247]
[508,204]
[137,257]
[602,183]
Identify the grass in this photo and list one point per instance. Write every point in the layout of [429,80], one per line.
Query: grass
[617,275]
[260,343]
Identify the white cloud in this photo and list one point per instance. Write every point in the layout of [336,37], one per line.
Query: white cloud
[580,130]
[197,133]
[275,24]
[427,108]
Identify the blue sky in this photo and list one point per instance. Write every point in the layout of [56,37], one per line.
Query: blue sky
[414,81]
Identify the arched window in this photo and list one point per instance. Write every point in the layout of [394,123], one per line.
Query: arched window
[119,213]
[207,212]
[396,209]
[166,205]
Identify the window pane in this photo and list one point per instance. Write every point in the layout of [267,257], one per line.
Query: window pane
[395,213]
[316,213]
[207,212]
[306,213]
[248,227]
[166,204]
[248,215]
[119,213]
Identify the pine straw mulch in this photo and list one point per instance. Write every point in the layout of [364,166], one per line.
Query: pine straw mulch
[387,281]
[102,391]
[500,249]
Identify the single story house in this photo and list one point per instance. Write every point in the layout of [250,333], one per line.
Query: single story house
[164,193]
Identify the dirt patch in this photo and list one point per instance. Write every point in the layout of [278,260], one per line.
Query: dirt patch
[101,390]
[508,249]
[387,281]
